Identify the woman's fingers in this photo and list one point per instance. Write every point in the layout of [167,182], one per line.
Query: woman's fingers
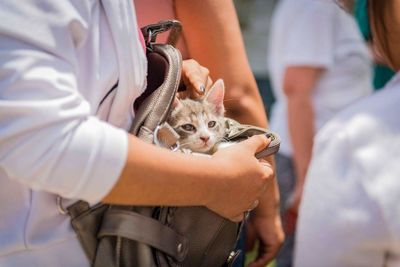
[256,143]
[208,84]
[203,89]
[196,78]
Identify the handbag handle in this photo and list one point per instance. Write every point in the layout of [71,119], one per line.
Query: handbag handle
[133,226]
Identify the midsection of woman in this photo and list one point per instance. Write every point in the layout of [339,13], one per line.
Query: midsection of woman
[66,69]
[54,88]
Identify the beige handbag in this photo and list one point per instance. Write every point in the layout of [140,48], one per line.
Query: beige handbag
[127,236]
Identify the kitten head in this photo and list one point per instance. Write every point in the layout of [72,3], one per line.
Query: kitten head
[200,123]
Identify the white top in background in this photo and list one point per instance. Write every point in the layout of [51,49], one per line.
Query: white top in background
[59,60]
[317,33]
[350,211]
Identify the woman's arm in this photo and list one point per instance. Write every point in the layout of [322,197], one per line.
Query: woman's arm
[298,86]
[228,183]
[212,33]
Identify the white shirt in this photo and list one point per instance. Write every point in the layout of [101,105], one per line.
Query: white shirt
[350,212]
[317,33]
[59,60]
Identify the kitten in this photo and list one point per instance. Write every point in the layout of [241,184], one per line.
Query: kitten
[200,123]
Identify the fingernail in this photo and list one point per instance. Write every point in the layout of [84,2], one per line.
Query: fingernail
[202,89]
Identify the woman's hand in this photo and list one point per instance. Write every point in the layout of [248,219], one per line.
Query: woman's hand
[294,200]
[195,78]
[245,178]
[268,232]
[229,182]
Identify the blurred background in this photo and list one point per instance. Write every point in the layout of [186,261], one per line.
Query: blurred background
[255,17]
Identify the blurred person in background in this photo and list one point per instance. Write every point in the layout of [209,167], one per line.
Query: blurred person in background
[318,64]
[350,212]
[211,35]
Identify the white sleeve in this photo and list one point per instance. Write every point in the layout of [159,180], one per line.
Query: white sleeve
[310,38]
[48,139]
[339,223]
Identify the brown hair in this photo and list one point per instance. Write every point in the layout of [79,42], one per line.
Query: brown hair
[346,5]
[379,12]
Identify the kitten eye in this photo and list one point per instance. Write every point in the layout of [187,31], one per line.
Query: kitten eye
[188,127]
[211,124]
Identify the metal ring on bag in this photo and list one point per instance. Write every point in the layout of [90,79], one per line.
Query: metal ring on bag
[157,142]
[60,206]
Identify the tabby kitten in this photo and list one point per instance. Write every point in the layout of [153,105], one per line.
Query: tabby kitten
[200,123]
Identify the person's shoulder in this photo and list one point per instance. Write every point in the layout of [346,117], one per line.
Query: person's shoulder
[379,110]
[361,146]
[370,122]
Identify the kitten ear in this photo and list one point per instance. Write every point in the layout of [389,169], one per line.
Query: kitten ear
[215,96]
[177,103]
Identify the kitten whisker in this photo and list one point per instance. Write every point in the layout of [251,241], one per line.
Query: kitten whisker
[231,99]
[225,139]
[186,143]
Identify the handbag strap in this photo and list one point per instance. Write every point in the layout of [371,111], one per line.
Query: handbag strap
[133,226]
[236,131]
[154,105]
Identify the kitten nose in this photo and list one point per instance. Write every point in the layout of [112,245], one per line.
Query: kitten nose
[204,138]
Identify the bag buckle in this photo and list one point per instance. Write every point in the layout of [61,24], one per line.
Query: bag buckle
[60,205]
[151,31]
[165,136]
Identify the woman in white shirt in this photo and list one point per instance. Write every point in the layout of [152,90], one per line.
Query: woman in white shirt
[63,130]
[350,212]
[318,65]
